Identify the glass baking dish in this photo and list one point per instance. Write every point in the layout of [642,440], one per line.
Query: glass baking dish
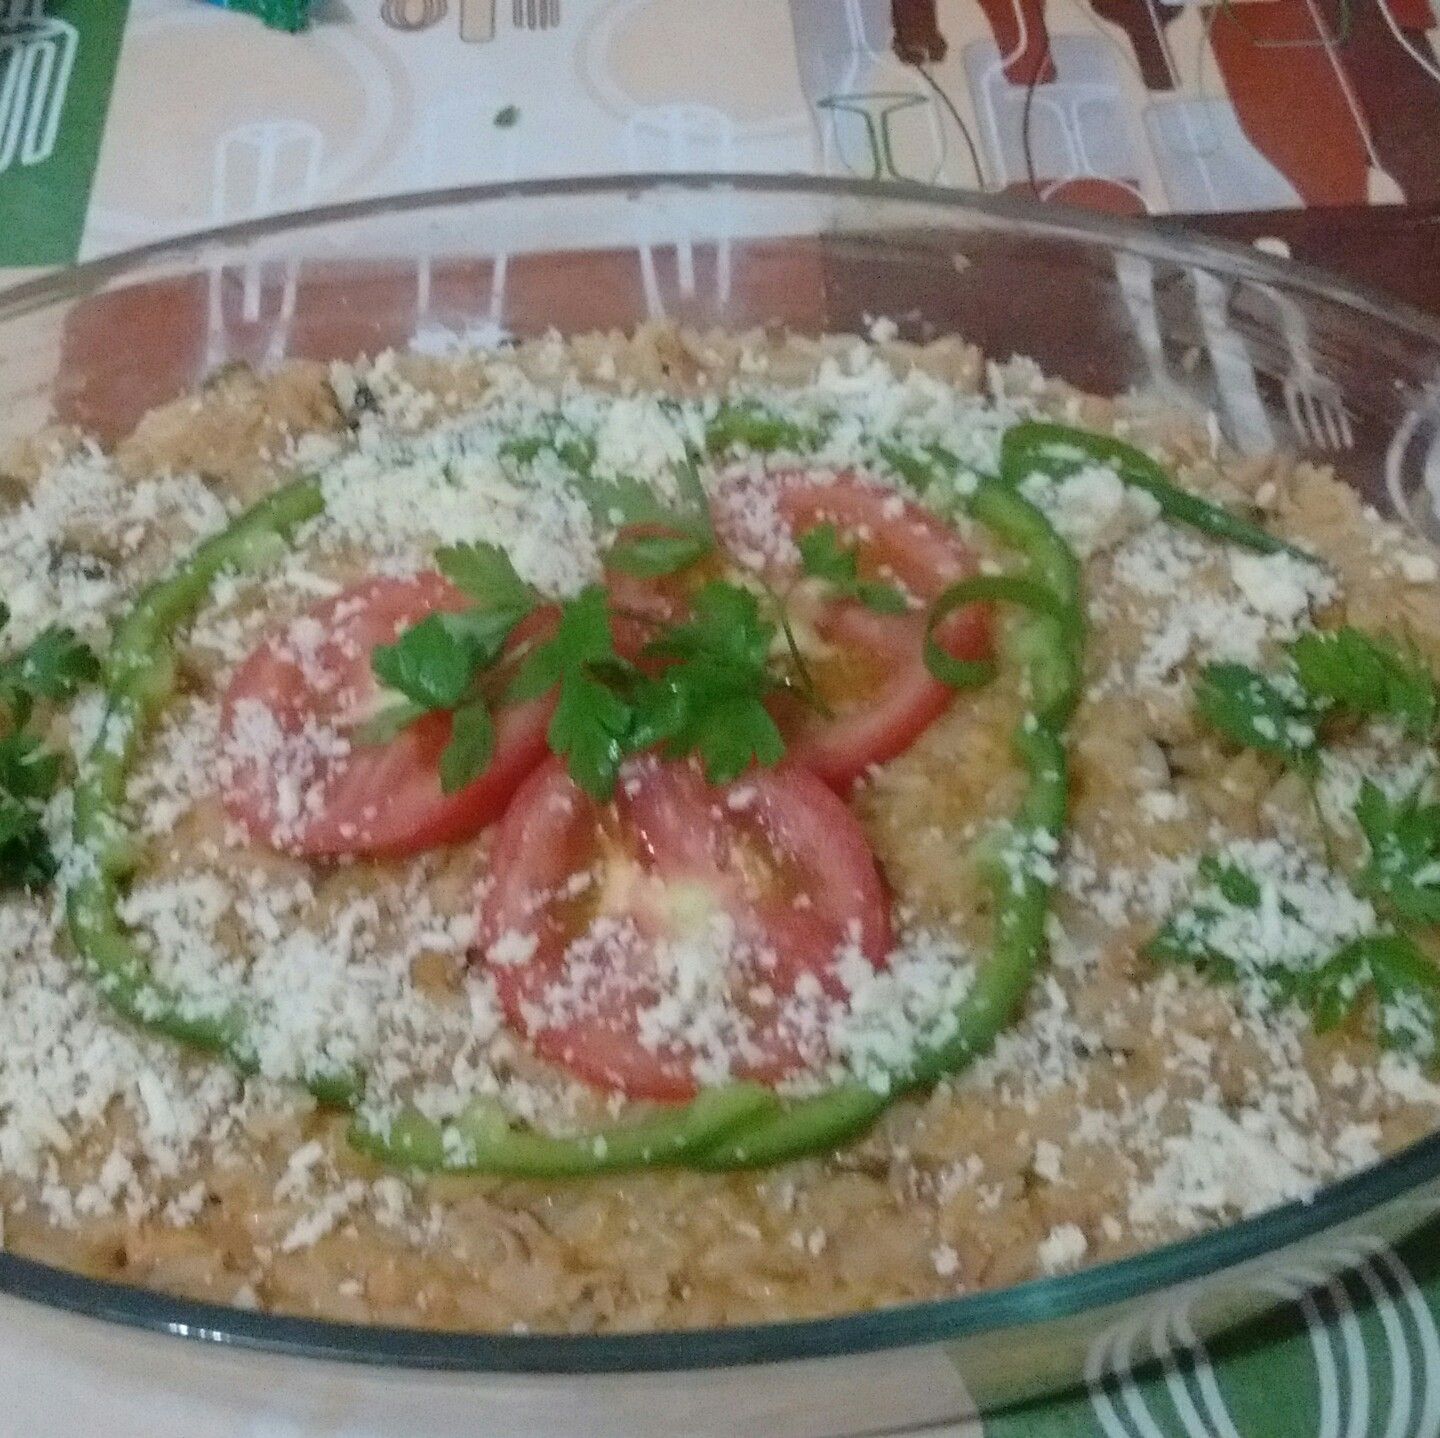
[1278,355]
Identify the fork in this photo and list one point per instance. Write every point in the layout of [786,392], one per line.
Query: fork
[1314,401]
[1317,409]
[535,14]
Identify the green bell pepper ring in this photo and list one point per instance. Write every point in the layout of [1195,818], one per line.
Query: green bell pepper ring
[1058,450]
[738,1126]
[481,1140]
[139,676]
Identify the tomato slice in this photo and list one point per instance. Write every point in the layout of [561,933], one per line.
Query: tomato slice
[869,668]
[649,945]
[296,779]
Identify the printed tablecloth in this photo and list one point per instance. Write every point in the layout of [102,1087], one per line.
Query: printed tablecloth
[126,122]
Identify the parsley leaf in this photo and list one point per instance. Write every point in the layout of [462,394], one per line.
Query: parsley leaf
[1202,932]
[575,450]
[591,730]
[1368,676]
[822,556]
[710,701]
[29,774]
[485,573]
[593,718]
[622,501]
[581,637]
[1406,986]
[472,742]
[649,556]
[433,662]
[1404,865]
[1260,712]
[52,666]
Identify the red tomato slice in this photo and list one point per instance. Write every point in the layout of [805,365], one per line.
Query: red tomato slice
[872,672]
[599,920]
[296,780]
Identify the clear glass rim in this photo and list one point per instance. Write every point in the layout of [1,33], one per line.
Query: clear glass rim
[994,1311]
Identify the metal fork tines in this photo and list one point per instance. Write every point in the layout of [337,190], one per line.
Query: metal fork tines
[535,14]
[1313,400]
[1317,410]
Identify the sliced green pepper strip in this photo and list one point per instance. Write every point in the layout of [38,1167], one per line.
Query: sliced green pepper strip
[1020,891]
[139,676]
[751,425]
[481,1140]
[1021,895]
[1059,450]
[1047,646]
[805,1126]
[1020,524]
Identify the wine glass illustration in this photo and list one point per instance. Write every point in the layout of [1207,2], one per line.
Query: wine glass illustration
[678,138]
[259,169]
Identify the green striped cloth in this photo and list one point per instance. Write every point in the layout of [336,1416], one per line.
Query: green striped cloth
[1359,1358]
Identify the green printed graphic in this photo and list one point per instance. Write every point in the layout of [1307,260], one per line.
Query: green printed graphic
[57,67]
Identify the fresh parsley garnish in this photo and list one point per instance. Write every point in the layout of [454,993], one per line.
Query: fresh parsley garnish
[29,774]
[486,574]
[440,662]
[651,556]
[823,556]
[920,468]
[621,500]
[52,667]
[434,662]
[1403,870]
[471,746]
[1328,674]
[1201,932]
[1270,713]
[1236,927]
[1404,982]
[710,700]
[1368,677]
[593,721]
[573,448]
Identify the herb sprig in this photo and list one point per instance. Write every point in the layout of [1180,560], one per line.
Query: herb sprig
[710,700]
[1403,868]
[441,663]
[1222,929]
[1340,673]
[1329,676]
[1368,677]
[52,668]
[700,686]
[824,557]
[1273,714]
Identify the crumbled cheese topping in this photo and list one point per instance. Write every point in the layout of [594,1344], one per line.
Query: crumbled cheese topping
[1197,603]
[365,968]
[1093,509]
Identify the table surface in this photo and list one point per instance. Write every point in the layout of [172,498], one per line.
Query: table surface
[1311,122]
